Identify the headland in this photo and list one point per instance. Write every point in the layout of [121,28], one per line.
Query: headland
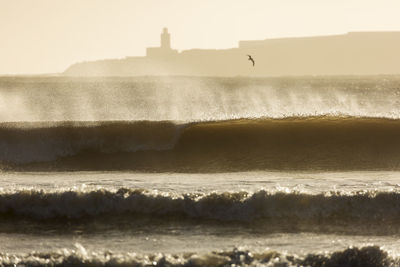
[354,53]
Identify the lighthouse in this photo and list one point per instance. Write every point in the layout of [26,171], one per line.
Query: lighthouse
[165,49]
[165,39]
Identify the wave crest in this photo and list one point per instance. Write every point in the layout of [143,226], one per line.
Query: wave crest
[358,208]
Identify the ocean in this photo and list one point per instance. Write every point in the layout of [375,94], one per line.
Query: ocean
[190,171]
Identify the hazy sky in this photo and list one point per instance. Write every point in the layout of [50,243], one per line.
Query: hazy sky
[46,36]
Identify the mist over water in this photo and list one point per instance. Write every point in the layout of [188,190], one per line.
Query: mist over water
[195,99]
[193,124]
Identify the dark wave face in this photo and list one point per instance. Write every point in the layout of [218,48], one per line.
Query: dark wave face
[369,256]
[326,143]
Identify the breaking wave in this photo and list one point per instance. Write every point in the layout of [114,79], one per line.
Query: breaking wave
[233,145]
[32,142]
[243,207]
[357,257]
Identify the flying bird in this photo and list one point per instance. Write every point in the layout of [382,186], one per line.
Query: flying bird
[251,59]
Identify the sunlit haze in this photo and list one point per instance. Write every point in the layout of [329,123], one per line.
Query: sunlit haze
[47,36]
[193,133]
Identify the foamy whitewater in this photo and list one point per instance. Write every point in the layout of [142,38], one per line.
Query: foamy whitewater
[186,171]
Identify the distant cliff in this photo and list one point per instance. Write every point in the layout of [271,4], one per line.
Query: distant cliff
[358,53]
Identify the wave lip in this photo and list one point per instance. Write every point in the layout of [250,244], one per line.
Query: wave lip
[362,257]
[356,208]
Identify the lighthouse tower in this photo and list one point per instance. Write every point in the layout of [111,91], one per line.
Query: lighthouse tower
[165,50]
[165,39]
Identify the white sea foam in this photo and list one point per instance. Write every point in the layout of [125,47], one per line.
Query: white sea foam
[364,256]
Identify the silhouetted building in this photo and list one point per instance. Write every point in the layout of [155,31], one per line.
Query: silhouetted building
[165,39]
[164,50]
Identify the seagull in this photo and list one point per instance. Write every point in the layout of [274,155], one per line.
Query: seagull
[252,60]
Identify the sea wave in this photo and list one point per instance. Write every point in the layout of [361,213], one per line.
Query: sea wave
[357,208]
[362,257]
[324,142]
[46,141]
